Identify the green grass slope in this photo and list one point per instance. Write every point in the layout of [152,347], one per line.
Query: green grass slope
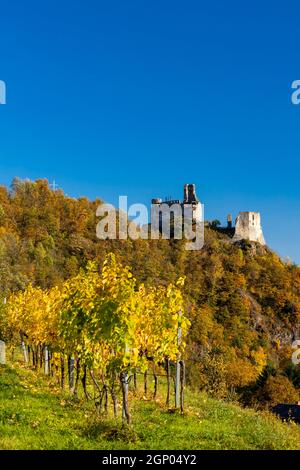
[34,416]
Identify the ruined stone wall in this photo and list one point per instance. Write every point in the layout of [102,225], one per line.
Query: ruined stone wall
[248,227]
[189,198]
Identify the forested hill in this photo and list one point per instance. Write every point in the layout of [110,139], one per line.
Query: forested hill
[243,300]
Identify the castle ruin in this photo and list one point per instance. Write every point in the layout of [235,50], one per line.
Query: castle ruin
[247,224]
[189,198]
[248,227]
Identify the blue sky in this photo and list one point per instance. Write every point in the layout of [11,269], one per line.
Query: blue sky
[138,98]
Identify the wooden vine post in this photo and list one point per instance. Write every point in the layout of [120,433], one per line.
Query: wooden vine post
[178,364]
[46,361]
[126,418]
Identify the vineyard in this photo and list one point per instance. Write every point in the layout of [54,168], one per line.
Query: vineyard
[116,342]
[98,331]
[35,413]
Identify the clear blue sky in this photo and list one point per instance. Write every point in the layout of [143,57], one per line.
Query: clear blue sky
[138,98]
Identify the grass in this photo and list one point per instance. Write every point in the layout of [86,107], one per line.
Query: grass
[37,415]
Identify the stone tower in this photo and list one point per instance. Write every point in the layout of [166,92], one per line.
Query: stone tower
[229,221]
[189,194]
[189,198]
[248,227]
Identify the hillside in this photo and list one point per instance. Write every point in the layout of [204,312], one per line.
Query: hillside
[32,417]
[242,299]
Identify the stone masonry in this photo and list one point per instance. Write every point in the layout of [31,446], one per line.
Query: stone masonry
[247,224]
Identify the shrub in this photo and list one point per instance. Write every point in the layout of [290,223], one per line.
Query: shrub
[279,389]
